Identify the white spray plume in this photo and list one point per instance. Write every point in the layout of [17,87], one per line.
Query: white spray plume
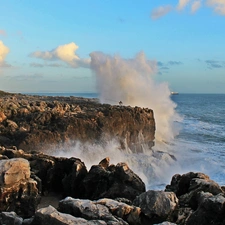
[132,82]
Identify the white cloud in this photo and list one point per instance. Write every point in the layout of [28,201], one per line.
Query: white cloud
[65,53]
[195,6]
[160,11]
[182,4]
[4,50]
[218,5]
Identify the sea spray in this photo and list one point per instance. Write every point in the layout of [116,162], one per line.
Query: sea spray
[131,81]
[155,168]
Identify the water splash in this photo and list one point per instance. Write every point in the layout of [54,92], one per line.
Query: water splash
[132,82]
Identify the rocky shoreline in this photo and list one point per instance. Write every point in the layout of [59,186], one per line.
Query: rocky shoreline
[41,122]
[39,189]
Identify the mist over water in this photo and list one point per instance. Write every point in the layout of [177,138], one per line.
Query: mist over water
[132,82]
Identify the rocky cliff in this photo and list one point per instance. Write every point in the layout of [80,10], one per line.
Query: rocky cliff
[34,122]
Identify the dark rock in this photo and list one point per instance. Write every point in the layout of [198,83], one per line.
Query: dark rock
[189,185]
[210,210]
[157,206]
[10,218]
[112,182]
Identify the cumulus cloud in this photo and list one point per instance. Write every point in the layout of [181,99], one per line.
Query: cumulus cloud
[4,50]
[160,11]
[3,33]
[182,4]
[218,5]
[195,6]
[65,53]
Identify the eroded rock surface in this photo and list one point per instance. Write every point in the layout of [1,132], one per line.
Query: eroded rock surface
[41,122]
[18,192]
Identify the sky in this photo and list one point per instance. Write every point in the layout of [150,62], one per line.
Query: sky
[46,46]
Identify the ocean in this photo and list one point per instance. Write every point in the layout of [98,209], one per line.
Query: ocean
[201,141]
[198,147]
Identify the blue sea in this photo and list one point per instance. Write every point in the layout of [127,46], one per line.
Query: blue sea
[202,137]
[199,146]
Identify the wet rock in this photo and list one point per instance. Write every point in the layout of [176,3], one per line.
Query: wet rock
[112,182]
[157,206]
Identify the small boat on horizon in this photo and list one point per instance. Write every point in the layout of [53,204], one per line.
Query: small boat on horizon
[174,93]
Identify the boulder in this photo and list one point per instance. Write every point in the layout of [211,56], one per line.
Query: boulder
[104,209]
[103,181]
[210,210]
[187,187]
[14,170]
[18,192]
[157,206]
[51,216]
[10,218]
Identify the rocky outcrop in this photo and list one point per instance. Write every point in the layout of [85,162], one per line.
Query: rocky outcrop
[40,122]
[110,181]
[18,192]
[195,199]
[157,206]
[108,210]
[201,200]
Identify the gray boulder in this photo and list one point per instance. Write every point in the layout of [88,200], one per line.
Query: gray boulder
[157,206]
[108,210]
[50,216]
[10,218]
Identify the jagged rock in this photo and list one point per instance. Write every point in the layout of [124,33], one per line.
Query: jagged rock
[157,206]
[189,185]
[105,209]
[53,174]
[112,182]
[51,216]
[10,218]
[131,214]
[2,116]
[183,215]
[34,122]
[210,210]
[18,192]
[13,170]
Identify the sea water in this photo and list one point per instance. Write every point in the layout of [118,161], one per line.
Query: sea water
[199,146]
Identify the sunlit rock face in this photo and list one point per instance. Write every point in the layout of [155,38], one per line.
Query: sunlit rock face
[38,123]
[18,192]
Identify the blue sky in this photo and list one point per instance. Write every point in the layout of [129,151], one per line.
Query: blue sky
[45,45]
